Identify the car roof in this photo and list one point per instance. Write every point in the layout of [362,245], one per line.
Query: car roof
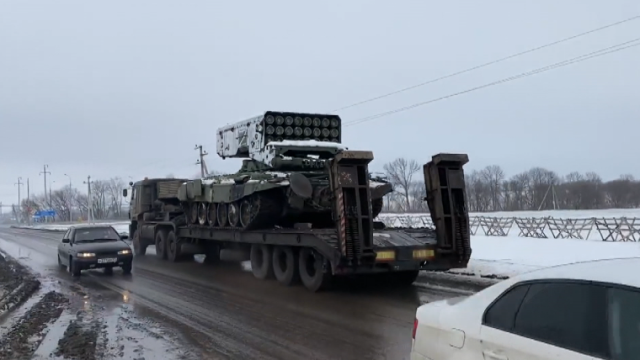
[623,271]
[89,226]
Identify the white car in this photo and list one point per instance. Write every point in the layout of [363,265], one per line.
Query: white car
[586,310]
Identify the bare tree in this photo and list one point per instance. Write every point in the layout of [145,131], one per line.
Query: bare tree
[100,199]
[400,172]
[114,188]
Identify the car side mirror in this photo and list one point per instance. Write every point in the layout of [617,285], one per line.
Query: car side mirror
[124,192]
[66,241]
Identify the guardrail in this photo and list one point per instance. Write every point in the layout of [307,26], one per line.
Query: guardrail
[612,229]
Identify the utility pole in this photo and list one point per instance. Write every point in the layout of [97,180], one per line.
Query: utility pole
[45,172]
[28,204]
[203,166]
[89,201]
[69,198]
[19,183]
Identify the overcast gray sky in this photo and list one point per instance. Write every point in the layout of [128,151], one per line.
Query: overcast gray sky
[128,88]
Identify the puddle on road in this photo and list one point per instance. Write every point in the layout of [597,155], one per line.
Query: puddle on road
[126,336]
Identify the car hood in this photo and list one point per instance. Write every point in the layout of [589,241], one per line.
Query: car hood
[105,246]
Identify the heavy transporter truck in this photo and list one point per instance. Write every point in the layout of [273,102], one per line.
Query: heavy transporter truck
[303,208]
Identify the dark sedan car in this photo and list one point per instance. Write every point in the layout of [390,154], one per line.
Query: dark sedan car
[96,246]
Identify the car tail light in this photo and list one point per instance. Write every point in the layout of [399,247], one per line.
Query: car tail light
[415,328]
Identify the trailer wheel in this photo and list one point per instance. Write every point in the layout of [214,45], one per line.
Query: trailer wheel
[138,248]
[211,254]
[173,247]
[161,244]
[405,278]
[311,268]
[285,265]
[261,261]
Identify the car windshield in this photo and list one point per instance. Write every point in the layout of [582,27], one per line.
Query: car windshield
[96,234]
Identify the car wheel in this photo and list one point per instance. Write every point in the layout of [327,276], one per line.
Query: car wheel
[74,269]
[126,268]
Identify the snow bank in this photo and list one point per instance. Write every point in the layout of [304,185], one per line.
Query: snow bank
[121,226]
[512,255]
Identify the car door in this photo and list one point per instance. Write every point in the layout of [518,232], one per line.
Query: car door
[63,248]
[547,320]
[623,313]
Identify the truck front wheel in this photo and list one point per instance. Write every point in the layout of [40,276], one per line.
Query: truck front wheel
[161,244]
[138,248]
[261,261]
[173,247]
[312,272]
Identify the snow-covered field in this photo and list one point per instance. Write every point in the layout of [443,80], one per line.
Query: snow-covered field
[560,214]
[511,255]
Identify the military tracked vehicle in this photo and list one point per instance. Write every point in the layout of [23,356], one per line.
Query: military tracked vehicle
[284,177]
[302,210]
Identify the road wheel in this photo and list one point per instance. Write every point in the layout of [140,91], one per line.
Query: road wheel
[193,212]
[161,244]
[126,268]
[285,265]
[108,271]
[233,210]
[222,215]
[203,210]
[312,272]
[260,257]
[74,269]
[60,264]
[173,247]
[211,214]
[138,248]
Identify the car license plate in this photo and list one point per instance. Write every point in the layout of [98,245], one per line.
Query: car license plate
[107,260]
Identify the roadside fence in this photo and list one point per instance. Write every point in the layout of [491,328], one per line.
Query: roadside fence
[595,228]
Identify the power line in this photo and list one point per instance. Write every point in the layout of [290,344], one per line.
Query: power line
[489,63]
[577,59]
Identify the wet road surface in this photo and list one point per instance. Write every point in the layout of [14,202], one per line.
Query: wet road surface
[196,311]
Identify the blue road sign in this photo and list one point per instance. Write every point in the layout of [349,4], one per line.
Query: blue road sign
[45,213]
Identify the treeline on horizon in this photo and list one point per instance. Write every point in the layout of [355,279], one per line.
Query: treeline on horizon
[538,188]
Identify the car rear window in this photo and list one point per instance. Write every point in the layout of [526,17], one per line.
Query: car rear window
[96,234]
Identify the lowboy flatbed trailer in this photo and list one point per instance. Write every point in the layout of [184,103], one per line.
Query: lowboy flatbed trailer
[356,245]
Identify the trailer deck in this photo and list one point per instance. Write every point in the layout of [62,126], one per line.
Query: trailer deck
[396,249]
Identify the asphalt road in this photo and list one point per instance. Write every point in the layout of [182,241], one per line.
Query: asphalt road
[192,310]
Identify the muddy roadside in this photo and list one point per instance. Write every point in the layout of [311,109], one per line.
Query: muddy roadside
[75,318]
[17,284]
[31,308]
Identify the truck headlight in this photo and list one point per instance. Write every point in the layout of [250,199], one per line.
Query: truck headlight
[124,252]
[86,255]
